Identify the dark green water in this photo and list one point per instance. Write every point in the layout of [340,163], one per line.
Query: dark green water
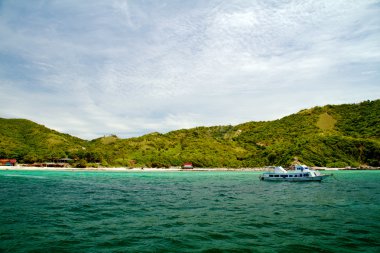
[43,211]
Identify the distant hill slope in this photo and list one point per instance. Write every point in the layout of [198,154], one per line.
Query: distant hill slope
[332,135]
[30,142]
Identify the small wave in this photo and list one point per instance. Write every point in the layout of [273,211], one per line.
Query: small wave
[218,236]
[24,176]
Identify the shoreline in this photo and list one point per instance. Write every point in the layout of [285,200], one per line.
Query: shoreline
[124,169]
[172,169]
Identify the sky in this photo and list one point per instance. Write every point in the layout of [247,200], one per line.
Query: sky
[92,68]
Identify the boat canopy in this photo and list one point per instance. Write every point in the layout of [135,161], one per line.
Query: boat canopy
[279,169]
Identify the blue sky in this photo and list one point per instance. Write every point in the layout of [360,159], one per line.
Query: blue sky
[92,68]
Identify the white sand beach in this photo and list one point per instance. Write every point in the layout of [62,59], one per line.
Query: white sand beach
[124,169]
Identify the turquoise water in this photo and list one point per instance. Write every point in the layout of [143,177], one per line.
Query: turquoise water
[42,211]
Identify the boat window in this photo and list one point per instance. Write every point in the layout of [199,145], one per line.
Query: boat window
[300,175]
[306,175]
[276,176]
[295,176]
[270,175]
[290,175]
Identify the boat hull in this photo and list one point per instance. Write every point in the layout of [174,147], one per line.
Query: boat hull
[295,179]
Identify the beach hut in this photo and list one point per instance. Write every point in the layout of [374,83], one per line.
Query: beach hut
[8,162]
[187,166]
[65,160]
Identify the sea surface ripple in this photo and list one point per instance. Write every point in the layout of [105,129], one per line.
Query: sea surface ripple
[65,211]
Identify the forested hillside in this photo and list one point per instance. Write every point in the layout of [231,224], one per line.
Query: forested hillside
[333,135]
[30,142]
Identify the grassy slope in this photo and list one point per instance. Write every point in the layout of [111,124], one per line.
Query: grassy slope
[26,140]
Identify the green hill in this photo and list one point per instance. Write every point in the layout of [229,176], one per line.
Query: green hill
[30,142]
[333,135]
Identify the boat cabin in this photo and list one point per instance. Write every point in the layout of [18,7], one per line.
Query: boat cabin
[290,175]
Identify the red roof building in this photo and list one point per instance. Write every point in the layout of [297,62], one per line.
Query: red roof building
[187,166]
[8,162]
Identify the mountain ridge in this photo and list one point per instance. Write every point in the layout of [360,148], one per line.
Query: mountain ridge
[331,135]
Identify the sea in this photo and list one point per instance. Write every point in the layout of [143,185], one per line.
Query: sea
[83,211]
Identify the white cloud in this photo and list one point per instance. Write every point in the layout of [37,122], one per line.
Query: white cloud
[132,67]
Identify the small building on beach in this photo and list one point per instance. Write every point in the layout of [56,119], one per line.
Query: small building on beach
[8,162]
[65,160]
[187,166]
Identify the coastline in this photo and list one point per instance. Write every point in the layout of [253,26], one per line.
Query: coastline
[171,169]
[124,169]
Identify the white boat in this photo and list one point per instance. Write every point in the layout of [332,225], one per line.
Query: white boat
[301,173]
